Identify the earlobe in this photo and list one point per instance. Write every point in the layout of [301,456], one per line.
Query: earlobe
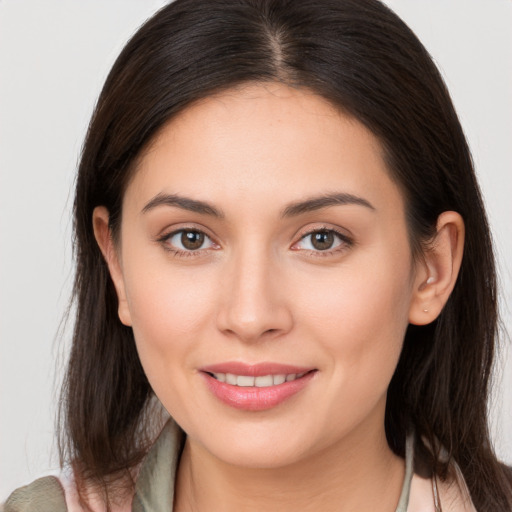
[103,235]
[437,274]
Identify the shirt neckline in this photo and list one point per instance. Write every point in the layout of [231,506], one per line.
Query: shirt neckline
[154,490]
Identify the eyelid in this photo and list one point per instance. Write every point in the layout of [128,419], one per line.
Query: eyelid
[346,240]
[168,233]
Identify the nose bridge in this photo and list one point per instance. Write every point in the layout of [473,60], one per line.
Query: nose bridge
[254,304]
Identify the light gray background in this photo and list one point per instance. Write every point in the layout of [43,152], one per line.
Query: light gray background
[54,56]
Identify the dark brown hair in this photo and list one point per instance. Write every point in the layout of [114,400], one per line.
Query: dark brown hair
[362,58]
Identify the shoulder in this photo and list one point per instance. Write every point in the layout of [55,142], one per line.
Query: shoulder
[43,495]
[453,495]
[52,494]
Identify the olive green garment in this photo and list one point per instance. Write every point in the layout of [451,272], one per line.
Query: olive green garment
[154,490]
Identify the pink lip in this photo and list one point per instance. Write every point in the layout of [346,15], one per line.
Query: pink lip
[255,398]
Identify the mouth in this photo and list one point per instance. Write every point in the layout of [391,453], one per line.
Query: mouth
[256,387]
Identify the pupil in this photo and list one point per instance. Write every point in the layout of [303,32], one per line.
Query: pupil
[192,239]
[323,240]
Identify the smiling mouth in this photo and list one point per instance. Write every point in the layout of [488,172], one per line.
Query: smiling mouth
[263,381]
[261,391]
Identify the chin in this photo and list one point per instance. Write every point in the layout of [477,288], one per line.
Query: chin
[256,457]
[255,450]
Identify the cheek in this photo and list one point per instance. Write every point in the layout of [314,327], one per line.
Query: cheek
[360,314]
[169,310]
[359,326]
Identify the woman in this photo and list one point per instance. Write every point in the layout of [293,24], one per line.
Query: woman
[279,235]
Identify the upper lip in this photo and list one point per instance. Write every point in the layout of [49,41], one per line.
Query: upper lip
[255,370]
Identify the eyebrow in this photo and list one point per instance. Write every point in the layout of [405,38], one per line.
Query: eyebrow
[292,210]
[324,201]
[185,203]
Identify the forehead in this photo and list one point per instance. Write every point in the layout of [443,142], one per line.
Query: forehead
[261,141]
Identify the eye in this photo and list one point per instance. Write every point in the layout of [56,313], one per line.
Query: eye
[188,240]
[321,240]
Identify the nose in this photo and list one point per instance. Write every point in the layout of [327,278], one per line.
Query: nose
[255,304]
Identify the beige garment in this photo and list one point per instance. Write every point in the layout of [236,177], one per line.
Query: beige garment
[154,490]
[43,495]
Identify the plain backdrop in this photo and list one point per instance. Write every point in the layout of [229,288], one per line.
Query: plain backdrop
[54,57]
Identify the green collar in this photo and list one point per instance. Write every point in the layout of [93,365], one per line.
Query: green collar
[154,491]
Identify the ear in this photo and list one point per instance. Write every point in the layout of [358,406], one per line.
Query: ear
[103,235]
[437,272]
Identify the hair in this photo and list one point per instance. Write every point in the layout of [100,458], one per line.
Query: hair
[362,58]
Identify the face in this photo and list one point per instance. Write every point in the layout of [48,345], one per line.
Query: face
[265,267]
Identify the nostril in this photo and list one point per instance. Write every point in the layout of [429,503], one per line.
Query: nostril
[251,320]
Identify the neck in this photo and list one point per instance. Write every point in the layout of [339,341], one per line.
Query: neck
[360,473]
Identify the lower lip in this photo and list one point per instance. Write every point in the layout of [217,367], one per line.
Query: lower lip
[254,398]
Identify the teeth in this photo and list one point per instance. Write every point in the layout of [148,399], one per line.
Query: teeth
[244,381]
[279,379]
[263,381]
[231,379]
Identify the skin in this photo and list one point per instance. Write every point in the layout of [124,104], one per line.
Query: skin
[257,290]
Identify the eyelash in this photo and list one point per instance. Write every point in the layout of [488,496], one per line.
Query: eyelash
[165,241]
[345,242]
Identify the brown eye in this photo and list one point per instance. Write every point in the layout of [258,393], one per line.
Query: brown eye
[192,240]
[322,240]
[188,241]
